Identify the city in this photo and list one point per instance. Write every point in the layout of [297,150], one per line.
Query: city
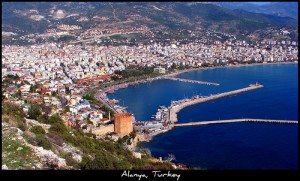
[63,87]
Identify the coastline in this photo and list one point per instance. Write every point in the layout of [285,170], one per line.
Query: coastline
[174,74]
[113,88]
[136,146]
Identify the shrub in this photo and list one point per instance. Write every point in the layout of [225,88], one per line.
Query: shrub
[12,109]
[55,139]
[55,119]
[58,128]
[42,118]
[43,142]
[22,126]
[70,160]
[37,130]
[34,112]
[146,152]
[21,123]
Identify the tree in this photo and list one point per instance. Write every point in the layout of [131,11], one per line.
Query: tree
[54,93]
[55,119]
[67,90]
[42,118]
[58,128]
[46,109]
[33,88]
[34,111]
[132,134]
[18,93]
[67,109]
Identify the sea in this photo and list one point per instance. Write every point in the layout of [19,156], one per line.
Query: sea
[232,146]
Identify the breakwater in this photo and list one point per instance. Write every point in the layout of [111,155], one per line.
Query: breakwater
[191,81]
[174,109]
[236,121]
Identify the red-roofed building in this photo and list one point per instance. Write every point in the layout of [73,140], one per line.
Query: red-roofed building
[104,120]
[37,101]
[46,91]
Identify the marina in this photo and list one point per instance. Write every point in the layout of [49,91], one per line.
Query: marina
[254,104]
[166,117]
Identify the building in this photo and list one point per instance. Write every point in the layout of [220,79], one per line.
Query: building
[123,123]
[160,70]
[83,104]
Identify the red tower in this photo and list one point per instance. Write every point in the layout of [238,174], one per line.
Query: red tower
[123,123]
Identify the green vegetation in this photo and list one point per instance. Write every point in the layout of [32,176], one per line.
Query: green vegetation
[16,115]
[42,141]
[90,96]
[54,119]
[70,161]
[8,80]
[37,130]
[34,111]
[34,87]
[68,90]
[42,118]
[106,154]
[12,110]
[66,109]
[97,154]
[15,155]
[136,71]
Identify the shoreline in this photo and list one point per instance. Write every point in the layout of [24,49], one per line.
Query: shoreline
[113,88]
[148,138]
[174,74]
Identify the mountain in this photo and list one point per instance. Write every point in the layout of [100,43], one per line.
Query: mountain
[283,9]
[24,18]
[212,13]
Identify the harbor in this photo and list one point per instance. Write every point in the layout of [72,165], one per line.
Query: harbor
[101,95]
[176,106]
[151,124]
[165,117]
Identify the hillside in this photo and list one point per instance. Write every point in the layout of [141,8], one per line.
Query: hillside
[29,144]
[283,9]
[25,18]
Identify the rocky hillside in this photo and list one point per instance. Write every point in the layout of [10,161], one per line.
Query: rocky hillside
[29,144]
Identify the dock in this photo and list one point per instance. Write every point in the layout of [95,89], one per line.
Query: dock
[236,121]
[173,110]
[190,81]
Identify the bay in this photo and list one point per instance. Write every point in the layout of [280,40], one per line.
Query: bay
[226,146]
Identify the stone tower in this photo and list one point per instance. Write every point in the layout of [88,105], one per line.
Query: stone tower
[123,123]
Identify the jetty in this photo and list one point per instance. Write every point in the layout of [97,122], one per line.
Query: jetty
[174,109]
[190,81]
[236,121]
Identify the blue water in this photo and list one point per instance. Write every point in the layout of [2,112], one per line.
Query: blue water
[225,146]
